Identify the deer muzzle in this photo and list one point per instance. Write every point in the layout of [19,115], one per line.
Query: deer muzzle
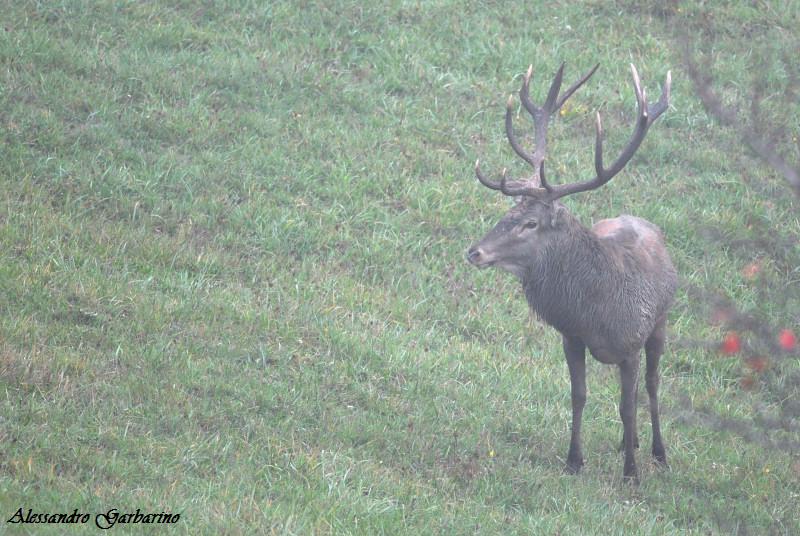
[477,257]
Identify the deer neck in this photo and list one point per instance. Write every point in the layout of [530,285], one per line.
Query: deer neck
[575,269]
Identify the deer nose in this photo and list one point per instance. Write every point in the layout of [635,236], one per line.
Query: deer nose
[474,255]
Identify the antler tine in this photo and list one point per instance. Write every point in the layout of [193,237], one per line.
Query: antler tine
[536,110]
[552,95]
[663,101]
[542,179]
[540,119]
[482,178]
[574,87]
[525,93]
[641,102]
[647,114]
[513,189]
[512,139]
[598,143]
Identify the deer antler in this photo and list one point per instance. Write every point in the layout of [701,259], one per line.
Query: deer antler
[541,118]
[537,185]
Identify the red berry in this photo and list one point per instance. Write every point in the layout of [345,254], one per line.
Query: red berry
[731,343]
[787,340]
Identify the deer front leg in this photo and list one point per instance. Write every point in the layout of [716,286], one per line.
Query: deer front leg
[575,352]
[628,371]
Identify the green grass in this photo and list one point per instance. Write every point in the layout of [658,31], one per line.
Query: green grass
[232,281]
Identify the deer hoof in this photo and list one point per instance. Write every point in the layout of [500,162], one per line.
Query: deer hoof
[630,474]
[573,467]
[631,480]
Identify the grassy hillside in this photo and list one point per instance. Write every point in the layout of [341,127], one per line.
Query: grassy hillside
[232,280]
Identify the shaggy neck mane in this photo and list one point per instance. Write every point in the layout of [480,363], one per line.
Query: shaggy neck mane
[563,279]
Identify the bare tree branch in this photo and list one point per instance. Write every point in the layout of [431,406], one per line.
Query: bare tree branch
[750,133]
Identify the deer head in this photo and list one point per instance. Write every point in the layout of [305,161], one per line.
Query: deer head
[538,220]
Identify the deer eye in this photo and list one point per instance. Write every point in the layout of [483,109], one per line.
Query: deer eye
[532,224]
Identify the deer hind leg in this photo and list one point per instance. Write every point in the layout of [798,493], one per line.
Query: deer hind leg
[575,352]
[653,349]
[635,405]
[629,372]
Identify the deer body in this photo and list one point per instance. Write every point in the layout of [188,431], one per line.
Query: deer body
[607,288]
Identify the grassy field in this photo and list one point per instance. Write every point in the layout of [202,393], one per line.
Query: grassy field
[233,284]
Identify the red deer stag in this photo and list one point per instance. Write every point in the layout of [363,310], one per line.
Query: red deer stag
[607,288]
